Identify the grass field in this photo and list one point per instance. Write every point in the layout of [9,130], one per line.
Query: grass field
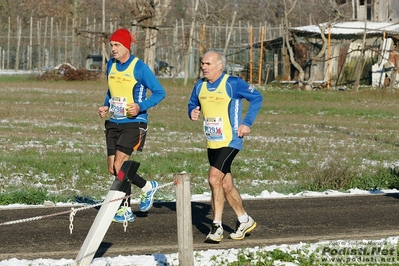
[53,147]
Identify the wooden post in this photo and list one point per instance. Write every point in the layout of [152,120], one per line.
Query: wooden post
[261,56]
[58,29]
[182,32]
[30,45]
[8,43]
[250,54]
[66,40]
[239,32]
[51,57]
[94,41]
[39,57]
[329,58]
[183,45]
[202,43]
[72,61]
[215,38]
[219,38]
[19,32]
[174,48]
[184,220]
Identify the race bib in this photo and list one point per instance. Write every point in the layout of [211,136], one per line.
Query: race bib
[117,107]
[213,128]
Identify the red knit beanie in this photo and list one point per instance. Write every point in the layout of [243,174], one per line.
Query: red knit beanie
[123,36]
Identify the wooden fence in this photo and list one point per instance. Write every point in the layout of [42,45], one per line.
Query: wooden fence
[42,44]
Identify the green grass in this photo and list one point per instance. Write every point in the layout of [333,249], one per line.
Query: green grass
[52,139]
[53,148]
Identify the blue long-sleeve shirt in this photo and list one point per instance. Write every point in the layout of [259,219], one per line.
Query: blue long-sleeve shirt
[145,80]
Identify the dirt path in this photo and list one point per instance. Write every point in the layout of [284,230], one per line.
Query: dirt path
[280,221]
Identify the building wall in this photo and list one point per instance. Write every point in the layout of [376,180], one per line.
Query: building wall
[393,10]
[376,10]
[382,13]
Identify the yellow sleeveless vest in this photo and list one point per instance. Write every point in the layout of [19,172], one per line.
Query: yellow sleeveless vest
[121,84]
[215,109]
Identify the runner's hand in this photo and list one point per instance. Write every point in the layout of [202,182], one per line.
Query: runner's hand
[133,109]
[243,130]
[195,113]
[102,111]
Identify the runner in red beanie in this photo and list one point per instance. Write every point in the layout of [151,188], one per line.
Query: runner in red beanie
[129,79]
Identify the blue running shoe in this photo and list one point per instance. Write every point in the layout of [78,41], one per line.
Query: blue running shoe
[123,214]
[147,198]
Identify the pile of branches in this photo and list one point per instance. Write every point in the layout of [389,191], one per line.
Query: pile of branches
[69,73]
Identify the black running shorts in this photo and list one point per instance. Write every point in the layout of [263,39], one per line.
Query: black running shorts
[222,158]
[126,137]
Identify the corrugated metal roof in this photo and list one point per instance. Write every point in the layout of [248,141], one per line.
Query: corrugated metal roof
[351,28]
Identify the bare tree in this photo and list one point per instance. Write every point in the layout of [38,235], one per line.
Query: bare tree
[258,11]
[318,57]
[359,66]
[289,6]
[149,15]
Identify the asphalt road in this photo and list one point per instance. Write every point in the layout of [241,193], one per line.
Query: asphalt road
[280,221]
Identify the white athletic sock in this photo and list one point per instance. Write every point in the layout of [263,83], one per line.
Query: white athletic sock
[244,218]
[147,187]
[218,223]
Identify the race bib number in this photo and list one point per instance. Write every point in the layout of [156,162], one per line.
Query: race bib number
[213,128]
[117,107]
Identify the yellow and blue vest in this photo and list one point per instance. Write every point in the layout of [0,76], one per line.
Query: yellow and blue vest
[215,107]
[221,107]
[129,82]
[121,84]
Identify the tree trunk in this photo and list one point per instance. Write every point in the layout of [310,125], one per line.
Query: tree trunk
[359,66]
[229,34]
[190,44]
[149,15]
[319,56]
[103,44]
[150,47]
[301,76]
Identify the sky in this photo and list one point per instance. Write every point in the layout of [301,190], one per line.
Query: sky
[207,257]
